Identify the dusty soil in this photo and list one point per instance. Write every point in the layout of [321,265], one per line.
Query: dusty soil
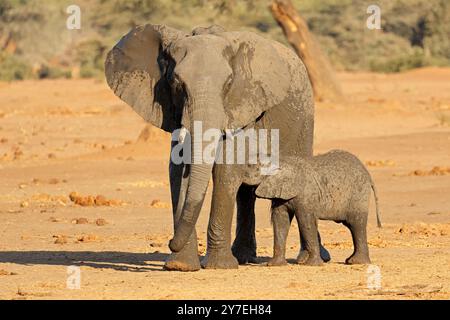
[78,188]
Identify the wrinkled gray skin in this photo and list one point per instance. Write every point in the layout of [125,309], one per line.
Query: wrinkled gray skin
[226,80]
[333,186]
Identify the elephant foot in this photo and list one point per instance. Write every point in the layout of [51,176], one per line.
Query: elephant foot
[244,254]
[312,261]
[302,257]
[277,261]
[182,261]
[222,259]
[358,259]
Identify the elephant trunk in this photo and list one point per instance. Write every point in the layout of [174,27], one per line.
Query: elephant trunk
[209,120]
[198,184]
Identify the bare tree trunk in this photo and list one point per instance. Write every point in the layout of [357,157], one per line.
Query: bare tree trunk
[321,74]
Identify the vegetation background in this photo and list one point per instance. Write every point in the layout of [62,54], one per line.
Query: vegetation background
[35,43]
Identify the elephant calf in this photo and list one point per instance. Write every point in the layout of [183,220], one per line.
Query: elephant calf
[333,186]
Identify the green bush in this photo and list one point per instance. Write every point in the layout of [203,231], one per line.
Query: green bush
[415,59]
[90,55]
[88,71]
[12,68]
[46,72]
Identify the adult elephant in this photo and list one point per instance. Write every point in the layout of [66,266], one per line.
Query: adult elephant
[224,80]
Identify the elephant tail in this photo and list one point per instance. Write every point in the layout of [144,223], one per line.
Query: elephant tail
[375,195]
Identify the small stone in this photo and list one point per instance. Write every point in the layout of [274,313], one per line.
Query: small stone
[156,244]
[60,239]
[101,201]
[88,238]
[7,273]
[18,153]
[159,204]
[53,181]
[101,222]
[80,221]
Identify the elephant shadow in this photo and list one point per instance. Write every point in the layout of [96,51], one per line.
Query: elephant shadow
[120,261]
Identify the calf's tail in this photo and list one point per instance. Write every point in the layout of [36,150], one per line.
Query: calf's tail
[375,195]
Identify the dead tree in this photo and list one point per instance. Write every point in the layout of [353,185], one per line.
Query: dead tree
[321,74]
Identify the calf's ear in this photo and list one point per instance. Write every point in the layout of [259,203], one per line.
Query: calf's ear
[281,185]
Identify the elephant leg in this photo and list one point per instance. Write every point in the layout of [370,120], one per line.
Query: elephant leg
[358,227]
[244,246]
[303,255]
[281,221]
[187,259]
[307,225]
[219,255]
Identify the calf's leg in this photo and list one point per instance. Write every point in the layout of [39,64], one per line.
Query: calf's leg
[307,224]
[357,223]
[281,221]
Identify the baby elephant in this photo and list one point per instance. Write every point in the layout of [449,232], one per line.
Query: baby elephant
[333,186]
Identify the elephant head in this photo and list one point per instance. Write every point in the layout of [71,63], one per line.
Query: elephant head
[226,80]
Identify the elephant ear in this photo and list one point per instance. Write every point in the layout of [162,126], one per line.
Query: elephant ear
[261,77]
[134,71]
[281,185]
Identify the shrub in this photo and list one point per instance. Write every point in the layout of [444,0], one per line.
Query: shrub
[415,59]
[12,68]
[46,72]
[90,55]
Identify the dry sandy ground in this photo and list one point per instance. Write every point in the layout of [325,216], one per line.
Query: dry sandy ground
[59,137]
